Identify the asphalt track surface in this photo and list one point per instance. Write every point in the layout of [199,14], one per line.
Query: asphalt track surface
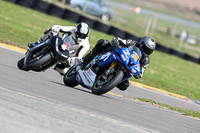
[39,102]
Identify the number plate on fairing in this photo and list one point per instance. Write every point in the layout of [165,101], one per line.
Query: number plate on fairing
[87,76]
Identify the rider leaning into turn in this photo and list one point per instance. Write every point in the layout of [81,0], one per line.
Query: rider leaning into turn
[79,34]
[145,44]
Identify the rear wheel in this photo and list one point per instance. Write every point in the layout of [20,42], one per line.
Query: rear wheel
[105,83]
[70,77]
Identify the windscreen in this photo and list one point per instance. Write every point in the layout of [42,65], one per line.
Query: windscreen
[69,41]
[137,51]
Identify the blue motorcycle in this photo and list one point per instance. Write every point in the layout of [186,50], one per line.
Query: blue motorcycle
[106,70]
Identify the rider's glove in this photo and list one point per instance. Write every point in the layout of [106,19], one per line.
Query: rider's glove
[107,47]
[55,30]
[131,42]
[118,43]
[121,43]
[100,42]
[138,76]
[47,30]
[115,42]
[100,46]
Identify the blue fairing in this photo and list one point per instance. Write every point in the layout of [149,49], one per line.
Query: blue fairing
[128,58]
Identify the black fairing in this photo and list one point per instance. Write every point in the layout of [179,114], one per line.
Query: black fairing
[35,49]
[55,42]
[50,46]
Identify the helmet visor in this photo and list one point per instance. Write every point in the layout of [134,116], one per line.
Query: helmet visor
[147,50]
[81,35]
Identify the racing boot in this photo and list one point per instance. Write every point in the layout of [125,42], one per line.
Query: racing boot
[62,68]
[87,59]
[123,86]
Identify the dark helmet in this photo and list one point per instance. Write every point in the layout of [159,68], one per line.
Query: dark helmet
[147,45]
[82,31]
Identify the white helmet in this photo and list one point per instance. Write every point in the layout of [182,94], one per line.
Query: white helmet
[82,31]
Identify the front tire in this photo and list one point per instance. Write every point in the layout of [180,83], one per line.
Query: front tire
[38,62]
[70,77]
[114,81]
[20,64]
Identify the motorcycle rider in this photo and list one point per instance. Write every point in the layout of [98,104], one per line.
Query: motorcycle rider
[145,44]
[79,34]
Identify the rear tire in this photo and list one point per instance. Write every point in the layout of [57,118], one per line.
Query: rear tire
[110,85]
[70,78]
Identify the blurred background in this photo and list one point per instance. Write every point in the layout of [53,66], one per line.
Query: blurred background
[174,23]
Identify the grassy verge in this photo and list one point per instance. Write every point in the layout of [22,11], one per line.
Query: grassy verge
[182,111]
[173,74]
[19,26]
[136,24]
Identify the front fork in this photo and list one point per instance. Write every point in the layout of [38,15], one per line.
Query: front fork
[110,70]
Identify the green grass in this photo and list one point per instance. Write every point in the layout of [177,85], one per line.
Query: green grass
[173,74]
[136,24]
[19,26]
[168,11]
[182,111]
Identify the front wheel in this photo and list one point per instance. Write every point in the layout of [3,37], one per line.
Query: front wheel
[39,61]
[20,64]
[70,77]
[103,85]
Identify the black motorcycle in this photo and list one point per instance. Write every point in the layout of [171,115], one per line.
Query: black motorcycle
[48,53]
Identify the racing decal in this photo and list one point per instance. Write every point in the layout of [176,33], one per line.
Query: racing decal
[123,58]
[105,56]
[88,77]
[126,51]
[135,69]
[67,45]
[84,78]
[114,56]
[134,57]
[91,74]
[106,59]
